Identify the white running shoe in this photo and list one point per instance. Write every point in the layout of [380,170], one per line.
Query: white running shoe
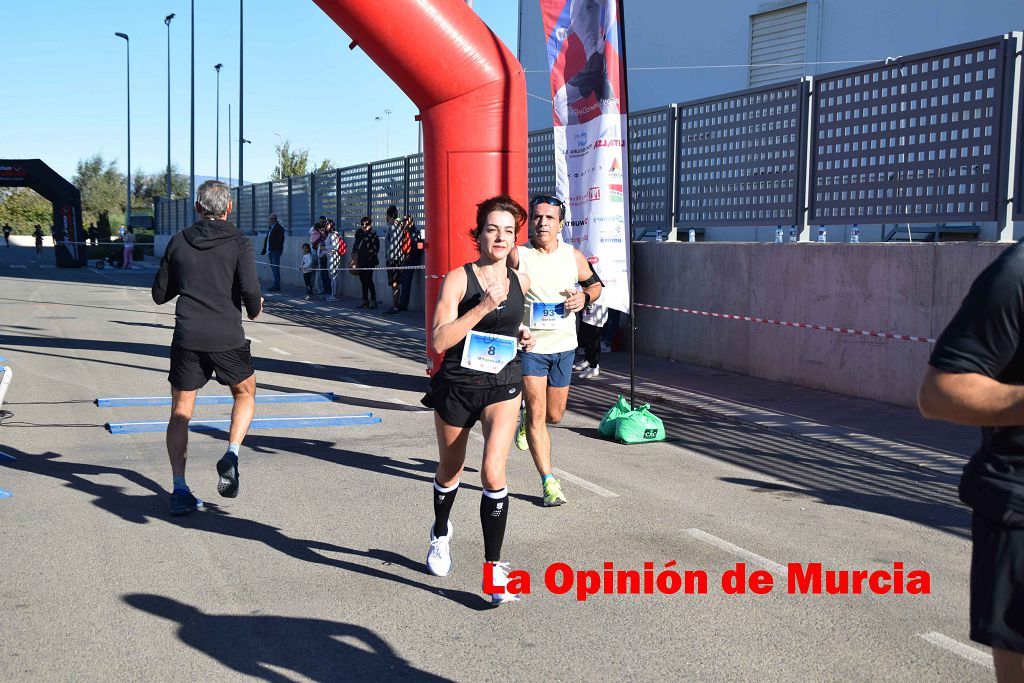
[439,556]
[499,577]
[590,373]
[581,365]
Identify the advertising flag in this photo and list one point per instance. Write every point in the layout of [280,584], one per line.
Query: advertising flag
[587,88]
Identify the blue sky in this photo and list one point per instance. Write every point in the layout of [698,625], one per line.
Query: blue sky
[62,94]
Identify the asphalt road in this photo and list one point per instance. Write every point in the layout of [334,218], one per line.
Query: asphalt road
[315,572]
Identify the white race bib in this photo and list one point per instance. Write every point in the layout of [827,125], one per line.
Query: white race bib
[547,316]
[488,352]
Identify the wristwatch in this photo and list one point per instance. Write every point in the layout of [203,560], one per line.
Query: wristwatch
[586,300]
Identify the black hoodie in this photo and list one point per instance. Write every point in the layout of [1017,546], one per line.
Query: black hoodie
[211,269]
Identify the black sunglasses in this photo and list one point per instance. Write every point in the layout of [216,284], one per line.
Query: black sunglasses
[546,199]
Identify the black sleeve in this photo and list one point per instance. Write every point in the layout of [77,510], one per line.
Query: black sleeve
[248,283]
[985,334]
[165,285]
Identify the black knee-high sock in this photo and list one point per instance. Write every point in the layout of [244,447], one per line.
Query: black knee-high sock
[493,513]
[443,499]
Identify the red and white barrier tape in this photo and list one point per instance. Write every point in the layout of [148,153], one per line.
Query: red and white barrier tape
[784,323]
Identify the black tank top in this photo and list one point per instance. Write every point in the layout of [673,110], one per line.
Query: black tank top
[504,320]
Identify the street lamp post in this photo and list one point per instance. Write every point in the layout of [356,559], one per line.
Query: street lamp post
[241,101]
[128,88]
[167,22]
[192,123]
[229,147]
[217,155]
[387,134]
[378,120]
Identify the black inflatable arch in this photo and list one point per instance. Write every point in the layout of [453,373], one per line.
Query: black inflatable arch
[68,235]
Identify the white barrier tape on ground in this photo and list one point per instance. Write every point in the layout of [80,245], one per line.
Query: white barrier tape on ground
[6,375]
[785,323]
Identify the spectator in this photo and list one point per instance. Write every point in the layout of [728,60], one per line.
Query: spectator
[365,254]
[93,234]
[316,236]
[592,322]
[274,243]
[395,238]
[38,234]
[129,248]
[414,257]
[331,242]
[308,269]
[7,234]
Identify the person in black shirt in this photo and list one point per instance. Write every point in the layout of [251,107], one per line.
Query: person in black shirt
[479,311]
[365,251]
[210,268]
[7,234]
[274,243]
[976,377]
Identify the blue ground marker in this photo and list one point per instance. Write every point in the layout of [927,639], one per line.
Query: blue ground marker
[213,400]
[5,494]
[257,423]
[7,458]
[2,359]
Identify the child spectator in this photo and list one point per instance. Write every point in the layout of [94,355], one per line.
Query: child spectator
[308,269]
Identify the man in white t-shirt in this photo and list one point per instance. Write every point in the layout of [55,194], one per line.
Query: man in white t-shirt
[562,283]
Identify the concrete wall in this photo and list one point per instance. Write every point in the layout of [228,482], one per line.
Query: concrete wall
[906,289]
[291,277]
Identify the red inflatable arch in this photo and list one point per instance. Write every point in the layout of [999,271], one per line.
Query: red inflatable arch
[471,92]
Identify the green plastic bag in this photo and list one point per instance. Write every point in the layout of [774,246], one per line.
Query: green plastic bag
[607,427]
[639,426]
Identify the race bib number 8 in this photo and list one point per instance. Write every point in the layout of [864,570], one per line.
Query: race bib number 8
[546,316]
[488,352]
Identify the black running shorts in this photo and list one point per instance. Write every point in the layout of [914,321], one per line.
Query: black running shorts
[461,406]
[997,584]
[191,370]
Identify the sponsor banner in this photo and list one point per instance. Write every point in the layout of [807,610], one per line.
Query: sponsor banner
[587,81]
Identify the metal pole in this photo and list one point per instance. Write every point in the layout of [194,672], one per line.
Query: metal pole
[377,119]
[192,123]
[241,73]
[229,145]
[628,193]
[387,135]
[217,154]
[128,89]
[167,22]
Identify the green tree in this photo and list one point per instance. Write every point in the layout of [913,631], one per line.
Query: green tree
[295,162]
[146,187]
[22,209]
[102,187]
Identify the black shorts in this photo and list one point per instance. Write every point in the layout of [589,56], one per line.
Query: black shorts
[997,584]
[191,370]
[461,406]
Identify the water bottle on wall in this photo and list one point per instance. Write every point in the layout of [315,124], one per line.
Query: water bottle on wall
[792,234]
[822,234]
[693,235]
[855,235]
[778,235]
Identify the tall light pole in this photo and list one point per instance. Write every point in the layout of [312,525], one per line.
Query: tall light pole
[241,73]
[192,123]
[167,22]
[128,88]
[229,146]
[387,134]
[217,155]
[378,120]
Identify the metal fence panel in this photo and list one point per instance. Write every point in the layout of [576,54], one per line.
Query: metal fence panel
[325,199]
[300,201]
[261,205]
[651,134]
[739,157]
[916,141]
[279,203]
[387,186]
[415,204]
[233,216]
[352,205]
[541,160]
[245,209]
[1018,193]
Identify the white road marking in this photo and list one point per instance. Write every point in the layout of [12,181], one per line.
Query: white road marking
[18,267]
[579,481]
[773,567]
[254,339]
[280,351]
[971,654]
[309,362]
[399,401]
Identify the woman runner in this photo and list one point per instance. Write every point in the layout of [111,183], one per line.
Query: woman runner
[482,301]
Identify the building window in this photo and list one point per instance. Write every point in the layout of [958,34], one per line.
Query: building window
[778,44]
